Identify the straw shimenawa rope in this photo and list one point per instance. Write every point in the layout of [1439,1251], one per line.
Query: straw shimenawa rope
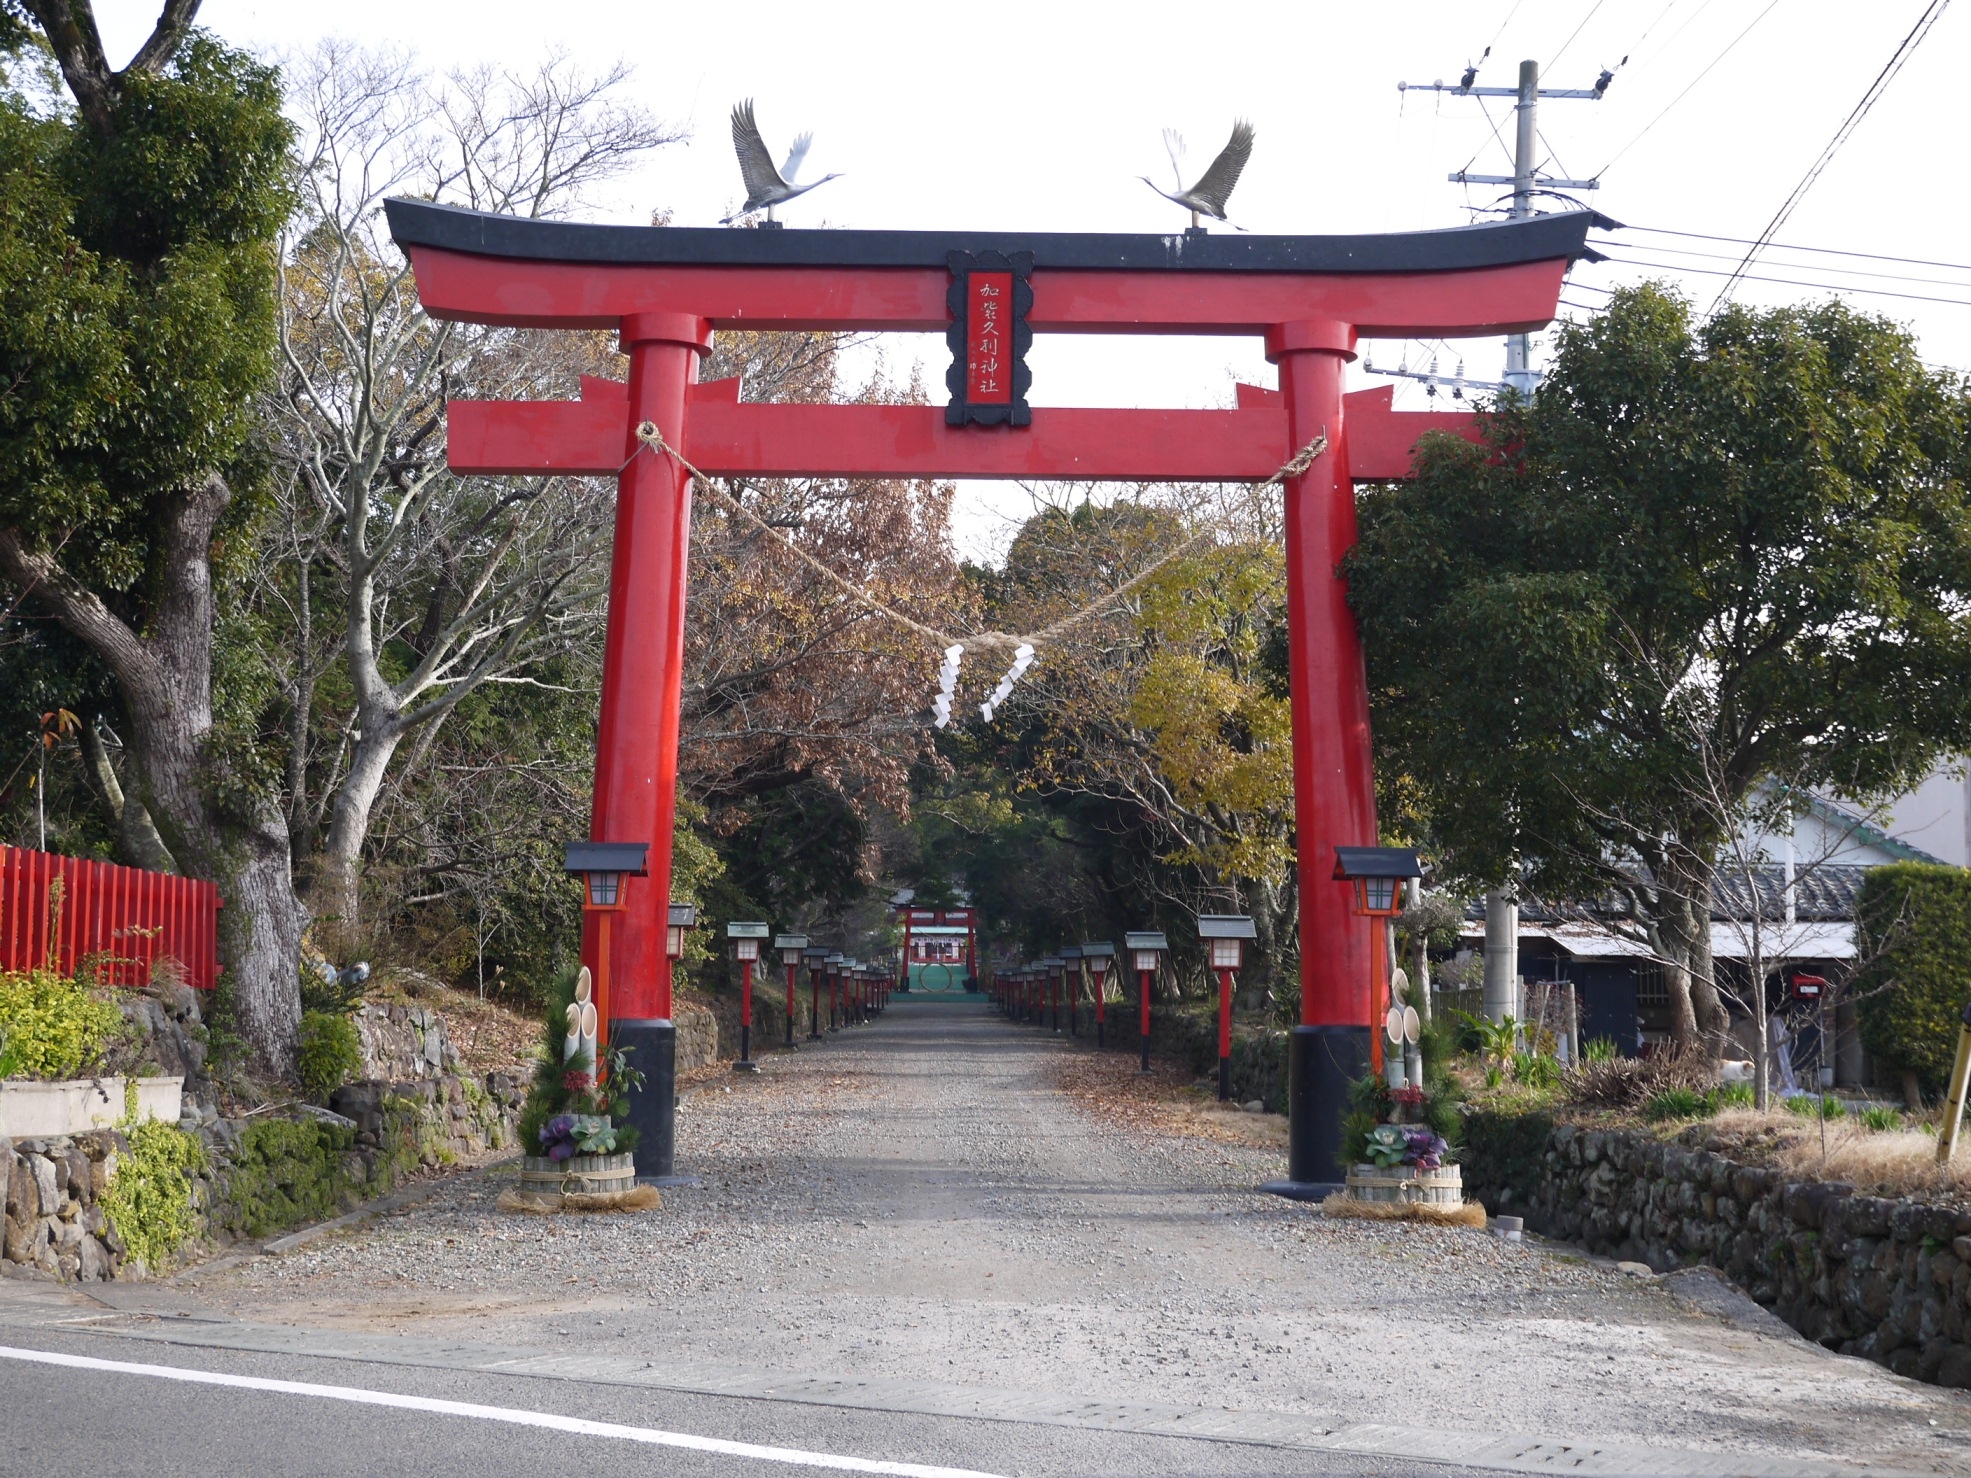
[649,435]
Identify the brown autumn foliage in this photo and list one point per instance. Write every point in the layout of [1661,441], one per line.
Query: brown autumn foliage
[788,678]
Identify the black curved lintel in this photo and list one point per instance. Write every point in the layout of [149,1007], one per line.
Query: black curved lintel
[1462,248]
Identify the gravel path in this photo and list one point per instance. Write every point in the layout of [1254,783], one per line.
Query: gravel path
[921,1198]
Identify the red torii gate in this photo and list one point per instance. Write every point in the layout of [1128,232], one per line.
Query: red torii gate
[665,290]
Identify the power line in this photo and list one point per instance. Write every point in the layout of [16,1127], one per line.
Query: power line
[1502,28]
[1650,29]
[1771,5]
[1690,20]
[1831,251]
[1721,256]
[1570,39]
[1914,39]
[1742,276]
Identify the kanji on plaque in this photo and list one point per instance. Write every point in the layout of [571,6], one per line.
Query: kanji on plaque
[988,345]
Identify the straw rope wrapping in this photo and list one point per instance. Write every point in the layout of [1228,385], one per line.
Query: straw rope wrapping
[649,435]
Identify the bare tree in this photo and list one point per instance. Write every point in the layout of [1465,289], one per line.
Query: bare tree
[418,587]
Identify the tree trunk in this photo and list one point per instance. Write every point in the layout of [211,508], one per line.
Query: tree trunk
[137,841]
[335,888]
[1683,935]
[225,833]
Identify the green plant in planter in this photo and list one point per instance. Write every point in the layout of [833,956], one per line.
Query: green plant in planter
[53,1027]
[1372,1102]
[572,1090]
[331,1052]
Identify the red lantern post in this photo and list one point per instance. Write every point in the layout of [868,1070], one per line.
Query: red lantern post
[1225,936]
[603,866]
[745,939]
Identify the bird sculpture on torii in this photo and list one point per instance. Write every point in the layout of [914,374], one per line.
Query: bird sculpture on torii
[666,290]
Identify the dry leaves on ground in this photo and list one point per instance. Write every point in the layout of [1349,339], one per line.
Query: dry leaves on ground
[1110,1086]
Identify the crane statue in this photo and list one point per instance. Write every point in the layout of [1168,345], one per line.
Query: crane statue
[765,185]
[1215,185]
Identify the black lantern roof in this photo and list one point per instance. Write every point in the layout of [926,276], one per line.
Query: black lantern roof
[1377,862]
[607,857]
[1226,926]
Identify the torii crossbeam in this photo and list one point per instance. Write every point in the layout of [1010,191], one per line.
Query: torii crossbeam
[667,290]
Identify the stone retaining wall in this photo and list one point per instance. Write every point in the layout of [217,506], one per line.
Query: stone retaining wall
[403,1043]
[265,1174]
[1888,1280]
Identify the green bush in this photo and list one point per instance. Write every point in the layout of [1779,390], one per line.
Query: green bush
[1913,922]
[331,1052]
[149,1198]
[52,1027]
[1679,1103]
[1808,1106]
[1600,1049]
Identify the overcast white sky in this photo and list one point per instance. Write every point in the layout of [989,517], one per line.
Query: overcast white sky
[1003,117]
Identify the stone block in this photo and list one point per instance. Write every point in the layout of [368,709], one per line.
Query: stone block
[92,1262]
[1805,1202]
[48,1190]
[1868,1216]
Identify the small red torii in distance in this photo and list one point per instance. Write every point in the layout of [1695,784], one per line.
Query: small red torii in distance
[665,291]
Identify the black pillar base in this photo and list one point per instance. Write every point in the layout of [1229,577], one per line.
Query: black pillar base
[1322,1063]
[1224,1080]
[653,1049]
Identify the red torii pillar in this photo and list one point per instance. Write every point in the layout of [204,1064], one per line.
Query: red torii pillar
[665,289]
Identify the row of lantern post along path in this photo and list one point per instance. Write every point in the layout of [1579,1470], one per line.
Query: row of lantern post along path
[1033,993]
[858,991]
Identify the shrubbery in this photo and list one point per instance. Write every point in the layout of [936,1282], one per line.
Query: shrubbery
[149,1198]
[331,1052]
[51,1027]
[1913,928]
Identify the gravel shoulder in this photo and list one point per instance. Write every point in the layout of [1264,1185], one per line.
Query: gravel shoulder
[944,1195]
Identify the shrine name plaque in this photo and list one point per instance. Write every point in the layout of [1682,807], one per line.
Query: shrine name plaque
[989,299]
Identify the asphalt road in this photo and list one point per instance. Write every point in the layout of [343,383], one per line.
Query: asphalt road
[941,1242]
[133,1420]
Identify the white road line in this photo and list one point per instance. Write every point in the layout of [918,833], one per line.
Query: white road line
[548,1419]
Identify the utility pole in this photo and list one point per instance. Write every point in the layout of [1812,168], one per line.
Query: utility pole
[1525,179]
[1502,905]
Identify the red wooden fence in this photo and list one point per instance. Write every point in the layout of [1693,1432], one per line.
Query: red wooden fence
[125,917]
